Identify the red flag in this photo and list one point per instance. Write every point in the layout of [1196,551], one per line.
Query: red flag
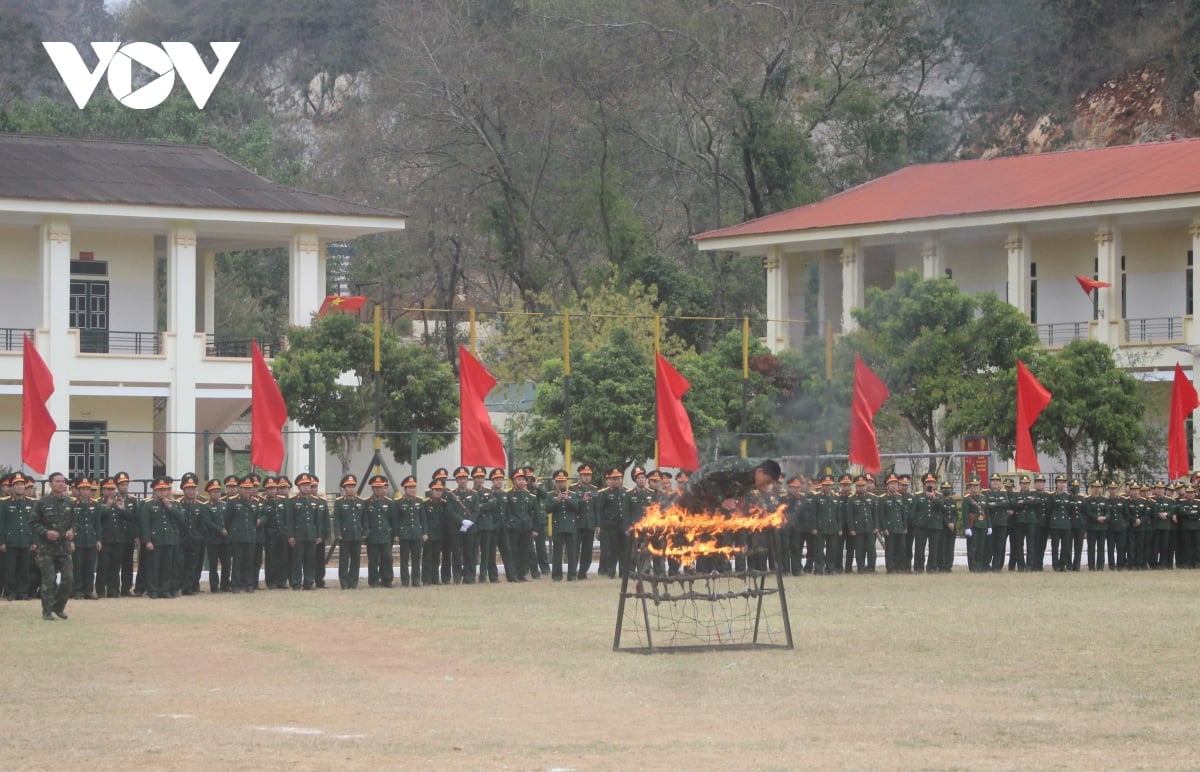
[37,425]
[1032,399]
[1090,284]
[869,395]
[676,443]
[268,414]
[481,445]
[345,303]
[1183,401]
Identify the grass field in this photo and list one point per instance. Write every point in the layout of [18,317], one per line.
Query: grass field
[1094,670]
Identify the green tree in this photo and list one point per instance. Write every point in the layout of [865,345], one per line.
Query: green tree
[418,390]
[936,348]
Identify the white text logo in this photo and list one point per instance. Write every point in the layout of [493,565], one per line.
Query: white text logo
[117,61]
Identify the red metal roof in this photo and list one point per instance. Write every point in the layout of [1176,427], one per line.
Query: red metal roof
[1011,183]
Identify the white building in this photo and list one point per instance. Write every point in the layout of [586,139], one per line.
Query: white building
[83,226]
[1023,227]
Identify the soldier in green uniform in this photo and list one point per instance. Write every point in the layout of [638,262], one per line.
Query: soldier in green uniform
[1188,512]
[1161,508]
[192,531]
[432,511]
[891,523]
[348,527]
[486,505]
[108,568]
[907,502]
[412,528]
[564,508]
[466,499]
[216,538]
[1096,511]
[800,541]
[16,516]
[503,545]
[845,542]
[949,528]
[5,495]
[455,519]
[242,518]
[380,529]
[826,528]
[1059,523]
[927,520]
[1141,527]
[1078,525]
[523,512]
[87,541]
[539,562]
[975,523]
[126,509]
[860,522]
[305,529]
[610,511]
[586,528]
[1025,505]
[1117,538]
[53,526]
[637,499]
[276,564]
[999,508]
[1038,531]
[161,521]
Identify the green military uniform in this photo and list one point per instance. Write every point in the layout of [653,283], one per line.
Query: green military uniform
[380,531]
[1078,526]
[108,571]
[1188,512]
[585,527]
[564,508]
[827,526]
[609,508]
[1058,520]
[468,500]
[490,525]
[523,513]
[413,532]
[88,513]
[860,523]
[242,518]
[306,527]
[999,509]
[349,527]
[1096,510]
[975,523]
[16,531]
[279,556]
[1117,537]
[1025,504]
[162,519]
[53,525]
[192,533]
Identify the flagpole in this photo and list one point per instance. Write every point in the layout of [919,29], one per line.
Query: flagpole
[745,384]
[567,392]
[378,396]
[657,347]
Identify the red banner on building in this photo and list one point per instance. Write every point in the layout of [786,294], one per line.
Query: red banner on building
[976,466]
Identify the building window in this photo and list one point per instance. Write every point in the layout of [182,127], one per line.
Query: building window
[1032,292]
[87,449]
[1124,287]
[1187,286]
[89,268]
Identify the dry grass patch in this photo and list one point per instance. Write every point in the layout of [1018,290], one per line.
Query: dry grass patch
[960,671]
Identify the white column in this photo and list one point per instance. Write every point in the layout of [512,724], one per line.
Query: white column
[209,271]
[184,351]
[1194,328]
[54,341]
[1108,263]
[777,299]
[933,258]
[306,291]
[1017,247]
[853,292]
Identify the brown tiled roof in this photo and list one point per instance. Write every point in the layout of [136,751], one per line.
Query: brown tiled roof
[1013,183]
[151,174]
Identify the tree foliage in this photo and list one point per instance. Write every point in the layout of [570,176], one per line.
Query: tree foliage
[419,392]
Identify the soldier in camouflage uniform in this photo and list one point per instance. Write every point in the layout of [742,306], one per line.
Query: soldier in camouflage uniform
[53,526]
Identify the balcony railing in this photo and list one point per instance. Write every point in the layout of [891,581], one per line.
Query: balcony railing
[12,338]
[217,346]
[1167,329]
[1062,333]
[119,342]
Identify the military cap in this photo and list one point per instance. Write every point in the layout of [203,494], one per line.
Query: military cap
[313,479]
[518,473]
[929,477]
[256,480]
[189,480]
[974,481]
[1074,483]
[163,483]
[1008,483]
[947,485]
[86,483]
[584,469]
[1060,478]
[271,482]
[845,478]
[462,471]
[497,474]
[121,477]
[1189,489]
[1025,478]
[905,479]
[213,484]
[379,481]
[108,483]
[231,479]
[437,485]
[860,480]
[6,479]
[637,470]
[995,476]
[1160,484]
[303,479]
[479,471]
[284,482]
[827,480]
[614,472]
[665,475]
[348,480]
[408,482]
[17,478]
[440,473]
[559,474]
[891,478]
[1095,484]
[246,482]
[654,474]
[682,476]
[1039,478]
[1112,486]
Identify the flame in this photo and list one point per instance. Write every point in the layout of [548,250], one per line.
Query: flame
[678,534]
